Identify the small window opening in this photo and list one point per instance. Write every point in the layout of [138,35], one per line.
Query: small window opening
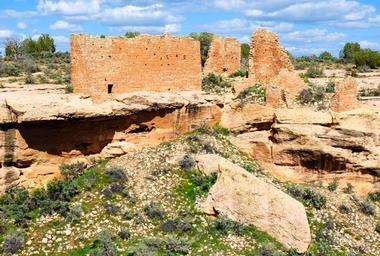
[110,88]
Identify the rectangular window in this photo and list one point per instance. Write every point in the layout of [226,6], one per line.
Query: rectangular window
[110,88]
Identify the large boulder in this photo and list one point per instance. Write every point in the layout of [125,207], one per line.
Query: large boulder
[244,198]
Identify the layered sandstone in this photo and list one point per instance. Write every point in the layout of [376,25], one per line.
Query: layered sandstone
[241,196]
[345,97]
[224,56]
[267,57]
[45,130]
[101,66]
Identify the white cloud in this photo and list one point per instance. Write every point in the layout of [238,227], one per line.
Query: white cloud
[313,35]
[21,25]
[5,33]
[131,15]
[369,44]
[69,7]
[247,26]
[9,13]
[61,39]
[61,24]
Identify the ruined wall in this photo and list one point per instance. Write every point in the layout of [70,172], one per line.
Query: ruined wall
[144,63]
[267,57]
[345,97]
[224,56]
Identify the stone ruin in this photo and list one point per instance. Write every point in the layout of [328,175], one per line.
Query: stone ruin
[267,58]
[101,66]
[224,56]
[345,97]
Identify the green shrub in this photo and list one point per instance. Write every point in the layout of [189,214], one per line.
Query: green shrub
[215,84]
[13,242]
[348,189]
[187,163]
[202,183]
[111,209]
[124,234]
[221,130]
[176,225]
[29,79]
[363,68]
[71,171]
[226,226]
[366,208]
[344,209]
[369,92]
[9,69]
[75,213]
[69,89]
[256,93]
[314,71]
[308,196]
[177,246]
[154,211]
[374,196]
[116,173]
[104,246]
[330,88]
[333,185]
[377,228]
[239,73]
[314,95]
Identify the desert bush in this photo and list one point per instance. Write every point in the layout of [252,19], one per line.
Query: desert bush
[71,171]
[267,250]
[187,163]
[103,245]
[366,208]
[374,196]
[377,228]
[239,73]
[116,173]
[314,95]
[13,242]
[349,188]
[226,226]
[9,69]
[314,71]
[176,225]
[29,79]
[124,234]
[111,209]
[363,68]
[202,183]
[332,186]
[221,130]
[127,215]
[369,92]
[215,84]
[69,89]
[177,246]
[308,196]
[344,209]
[75,213]
[256,93]
[330,88]
[154,211]
[107,192]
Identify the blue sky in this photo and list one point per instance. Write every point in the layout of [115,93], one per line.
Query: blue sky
[305,26]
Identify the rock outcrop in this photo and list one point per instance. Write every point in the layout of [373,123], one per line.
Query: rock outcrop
[267,57]
[290,82]
[302,145]
[223,56]
[241,196]
[345,97]
[48,129]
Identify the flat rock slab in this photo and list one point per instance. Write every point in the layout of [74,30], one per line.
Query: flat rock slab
[244,198]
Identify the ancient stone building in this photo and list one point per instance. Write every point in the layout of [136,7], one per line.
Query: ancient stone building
[345,97]
[275,97]
[145,63]
[267,57]
[290,82]
[224,56]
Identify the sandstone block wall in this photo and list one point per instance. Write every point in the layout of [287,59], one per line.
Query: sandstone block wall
[224,56]
[267,57]
[144,63]
[345,97]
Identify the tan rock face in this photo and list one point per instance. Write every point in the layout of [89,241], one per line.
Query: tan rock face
[267,57]
[224,56]
[241,196]
[145,63]
[345,97]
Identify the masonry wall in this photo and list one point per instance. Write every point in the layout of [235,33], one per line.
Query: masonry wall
[224,56]
[144,63]
[345,97]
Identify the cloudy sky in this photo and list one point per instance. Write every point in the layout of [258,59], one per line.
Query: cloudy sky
[305,26]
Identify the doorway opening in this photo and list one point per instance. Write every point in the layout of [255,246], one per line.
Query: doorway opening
[109,87]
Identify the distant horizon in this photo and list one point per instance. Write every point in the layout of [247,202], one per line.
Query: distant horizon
[305,27]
